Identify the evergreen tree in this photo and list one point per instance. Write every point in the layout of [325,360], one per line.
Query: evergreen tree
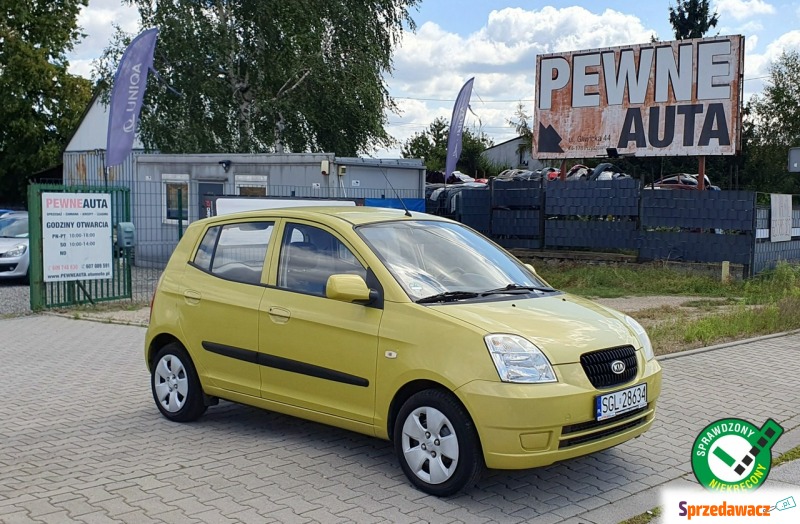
[692,19]
[431,145]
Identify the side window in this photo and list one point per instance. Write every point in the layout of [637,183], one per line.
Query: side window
[309,256]
[251,185]
[202,259]
[235,251]
[175,201]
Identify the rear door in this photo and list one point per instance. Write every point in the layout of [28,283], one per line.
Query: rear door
[222,292]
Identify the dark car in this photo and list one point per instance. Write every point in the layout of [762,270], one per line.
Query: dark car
[682,181]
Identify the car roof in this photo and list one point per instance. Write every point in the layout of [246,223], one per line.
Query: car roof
[356,215]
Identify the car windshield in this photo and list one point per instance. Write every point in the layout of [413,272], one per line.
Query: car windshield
[14,226]
[441,261]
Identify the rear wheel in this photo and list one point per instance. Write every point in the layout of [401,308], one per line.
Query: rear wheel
[176,387]
[436,443]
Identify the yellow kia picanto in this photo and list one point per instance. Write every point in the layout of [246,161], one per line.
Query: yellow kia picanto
[404,326]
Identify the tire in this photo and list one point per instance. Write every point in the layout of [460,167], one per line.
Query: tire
[436,443]
[175,385]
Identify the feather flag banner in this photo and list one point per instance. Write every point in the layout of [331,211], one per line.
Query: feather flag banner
[127,95]
[457,127]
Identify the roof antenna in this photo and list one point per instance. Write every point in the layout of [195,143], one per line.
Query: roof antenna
[408,214]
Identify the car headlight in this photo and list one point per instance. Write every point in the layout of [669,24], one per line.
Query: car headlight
[16,251]
[518,360]
[644,340]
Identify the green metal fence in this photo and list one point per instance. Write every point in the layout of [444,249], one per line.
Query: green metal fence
[74,292]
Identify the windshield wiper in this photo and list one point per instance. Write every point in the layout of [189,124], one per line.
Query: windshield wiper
[515,289]
[448,296]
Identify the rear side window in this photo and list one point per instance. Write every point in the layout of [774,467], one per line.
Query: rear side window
[235,251]
[202,259]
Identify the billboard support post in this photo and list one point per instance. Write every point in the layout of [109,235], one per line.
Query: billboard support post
[701,173]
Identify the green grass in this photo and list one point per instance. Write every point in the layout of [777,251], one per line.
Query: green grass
[644,518]
[676,330]
[792,454]
[748,322]
[771,286]
[717,312]
[618,280]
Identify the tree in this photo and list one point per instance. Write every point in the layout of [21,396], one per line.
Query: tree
[431,145]
[692,19]
[772,126]
[259,76]
[522,123]
[41,101]
[472,161]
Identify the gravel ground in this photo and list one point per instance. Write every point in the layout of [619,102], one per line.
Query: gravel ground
[15,298]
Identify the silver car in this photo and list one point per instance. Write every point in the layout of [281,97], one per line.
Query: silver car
[14,249]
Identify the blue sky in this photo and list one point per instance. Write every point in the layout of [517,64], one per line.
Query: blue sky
[497,41]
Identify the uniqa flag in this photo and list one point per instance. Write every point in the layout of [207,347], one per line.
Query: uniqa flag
[457,128]
[127,95]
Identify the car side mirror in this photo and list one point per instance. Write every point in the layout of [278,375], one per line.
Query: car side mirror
[533,270]
[347,288]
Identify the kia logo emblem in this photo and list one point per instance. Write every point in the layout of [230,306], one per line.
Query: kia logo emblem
[618,367]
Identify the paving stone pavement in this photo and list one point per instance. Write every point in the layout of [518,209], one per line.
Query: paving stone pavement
[82,441]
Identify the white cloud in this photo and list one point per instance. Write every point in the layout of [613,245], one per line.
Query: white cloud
[97,22]
[756,65]
[81,67]
[433,63]
[741,9]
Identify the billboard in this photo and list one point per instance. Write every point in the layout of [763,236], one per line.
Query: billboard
[658,99]
[76,236]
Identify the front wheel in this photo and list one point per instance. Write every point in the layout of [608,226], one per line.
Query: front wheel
[436,443]
[176,387]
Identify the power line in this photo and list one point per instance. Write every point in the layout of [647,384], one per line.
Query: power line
[453,100]
[416,124]
[511,100]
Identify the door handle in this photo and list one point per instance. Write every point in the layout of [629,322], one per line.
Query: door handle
[192,297]
[279,315]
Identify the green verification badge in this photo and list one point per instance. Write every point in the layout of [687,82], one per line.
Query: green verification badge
[734,455]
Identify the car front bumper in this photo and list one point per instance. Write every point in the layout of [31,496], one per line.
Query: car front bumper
[14,267]
[524,426]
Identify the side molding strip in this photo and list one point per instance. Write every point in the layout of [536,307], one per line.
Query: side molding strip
[284,364]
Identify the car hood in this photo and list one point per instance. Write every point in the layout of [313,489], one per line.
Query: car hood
[563,326]
[8,243]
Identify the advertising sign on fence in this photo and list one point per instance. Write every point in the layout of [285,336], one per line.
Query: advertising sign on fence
[76,236]
[780,228]
[656,99]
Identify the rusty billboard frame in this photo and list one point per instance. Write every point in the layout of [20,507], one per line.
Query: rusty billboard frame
[595,102]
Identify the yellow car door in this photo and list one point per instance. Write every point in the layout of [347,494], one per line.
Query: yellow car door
[317,353]
[222,289]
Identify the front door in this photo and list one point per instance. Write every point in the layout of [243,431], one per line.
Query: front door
[206,190]
[317,353]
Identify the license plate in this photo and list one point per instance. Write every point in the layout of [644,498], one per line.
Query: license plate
[613,404]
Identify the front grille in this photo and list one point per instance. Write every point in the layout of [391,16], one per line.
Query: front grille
[574,441]
[594,424]
[597,366]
